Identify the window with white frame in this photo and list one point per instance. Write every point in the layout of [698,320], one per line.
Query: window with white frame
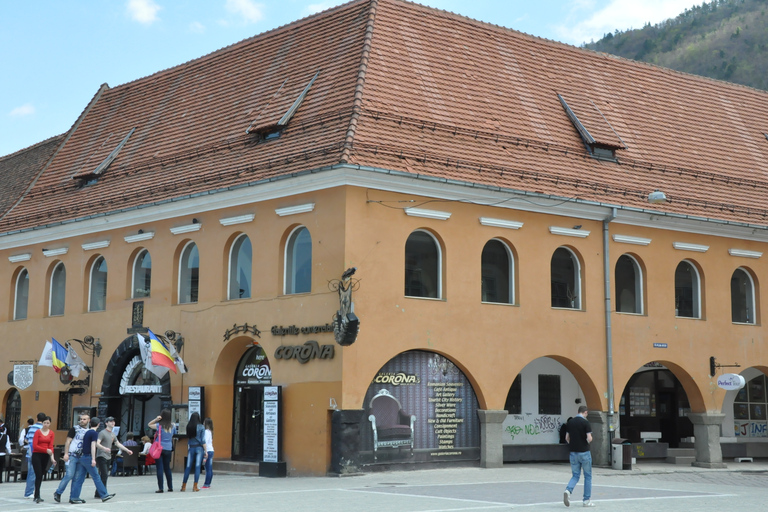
[742,297]
[629,285]
[240,265]
[21,298]
[497,273]
[189,274]
[687,291]
[97,300]
[565,279]
[142,275]
[58,290]
[298,261]
[423,266]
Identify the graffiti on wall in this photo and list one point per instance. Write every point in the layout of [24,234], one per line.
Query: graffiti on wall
[750,428]
[532,429]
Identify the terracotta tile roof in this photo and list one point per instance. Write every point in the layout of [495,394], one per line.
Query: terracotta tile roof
[19,170]
[415,89]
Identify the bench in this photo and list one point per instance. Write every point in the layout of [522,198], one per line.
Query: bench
[650,437]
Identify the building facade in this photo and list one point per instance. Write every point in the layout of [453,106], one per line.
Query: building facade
[533,227]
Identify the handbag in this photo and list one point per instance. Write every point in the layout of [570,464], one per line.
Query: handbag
[156,450]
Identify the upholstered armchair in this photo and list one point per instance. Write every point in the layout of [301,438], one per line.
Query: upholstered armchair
[392,427]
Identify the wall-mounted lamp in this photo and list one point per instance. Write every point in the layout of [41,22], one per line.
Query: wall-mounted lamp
[657,197]
[91,346]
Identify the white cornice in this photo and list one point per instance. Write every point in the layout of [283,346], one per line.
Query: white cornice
[55,252]
[20,257]
[427,214]
[293,210]
[578,233]
[682,246]
[242,219]
[139,237]
[189,228]
[377,179]
[95,245]
[500,223]
[624,239]
[744,253]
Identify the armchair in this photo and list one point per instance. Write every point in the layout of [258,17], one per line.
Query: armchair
[392,427]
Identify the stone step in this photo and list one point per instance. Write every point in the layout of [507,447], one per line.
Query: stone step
[235,466]
[681,452]
[686,461]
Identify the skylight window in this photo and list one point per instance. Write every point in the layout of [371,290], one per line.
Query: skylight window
[266,125]
[92,175]
[599,137]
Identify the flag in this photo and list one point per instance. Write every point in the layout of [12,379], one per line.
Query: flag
[146,358]
[74,361]
[160,354]
[46,358]
[177,359]
[59,355]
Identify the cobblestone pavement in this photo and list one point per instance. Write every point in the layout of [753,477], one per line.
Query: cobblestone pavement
[649,487]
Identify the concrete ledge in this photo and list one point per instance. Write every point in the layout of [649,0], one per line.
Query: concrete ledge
[536,453]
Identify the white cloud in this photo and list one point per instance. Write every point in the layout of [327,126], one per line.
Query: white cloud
[250,11]
[22,111]
[143,11]
[196,27]
[617,14]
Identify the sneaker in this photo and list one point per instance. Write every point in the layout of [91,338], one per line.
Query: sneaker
[77,502]
[57,497]
[589,503]
[158,491]
[206,487]
[110,496]
[567,498]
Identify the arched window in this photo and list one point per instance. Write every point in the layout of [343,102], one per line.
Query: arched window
[687,291]
[423,266]
[142,275]
[497,273]
[298,262]
[97,300]
[58,290]
[21,300]
[742,297]
[189,274]
[629,285]
[566,279]
[240,264]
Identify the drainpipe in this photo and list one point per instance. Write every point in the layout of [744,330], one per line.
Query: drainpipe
[608,331]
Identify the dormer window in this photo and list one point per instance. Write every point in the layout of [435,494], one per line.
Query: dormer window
[599,137]
[267,125]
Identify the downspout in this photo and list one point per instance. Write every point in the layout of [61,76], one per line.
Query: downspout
[608,330]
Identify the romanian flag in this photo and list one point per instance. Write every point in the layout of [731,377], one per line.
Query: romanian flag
[59,355]
[160,355]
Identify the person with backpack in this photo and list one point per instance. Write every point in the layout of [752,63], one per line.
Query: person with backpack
[5,446]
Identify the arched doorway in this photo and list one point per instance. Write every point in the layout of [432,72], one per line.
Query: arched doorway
[131,393]
[13,414]
[252,374]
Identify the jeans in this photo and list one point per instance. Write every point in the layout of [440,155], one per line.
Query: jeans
[102,465]
[29,490]
[581,461]
[163,465]
[83,467]
[208,470]
[195,456]
[68,475]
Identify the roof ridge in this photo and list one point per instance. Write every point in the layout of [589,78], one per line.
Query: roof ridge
[67,136]
[231,47]
[32,146]
[357,103]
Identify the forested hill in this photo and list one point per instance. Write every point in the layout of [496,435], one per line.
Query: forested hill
[723,39]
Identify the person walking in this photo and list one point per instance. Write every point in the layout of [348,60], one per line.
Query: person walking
[23,435]
[73,450]
[87,465]
[42,451]
[5,446]
[578,436]
[104,455]
[166,430]
[28,439]
[208,424]
[196,450]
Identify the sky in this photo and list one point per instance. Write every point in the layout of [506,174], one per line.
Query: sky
[55,54]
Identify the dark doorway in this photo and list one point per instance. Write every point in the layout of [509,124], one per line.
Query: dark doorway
[248,441]
[13,415]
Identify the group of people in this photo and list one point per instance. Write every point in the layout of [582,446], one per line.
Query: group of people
[88,452]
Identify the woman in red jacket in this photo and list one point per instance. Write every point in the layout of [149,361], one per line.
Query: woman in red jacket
[42,450]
